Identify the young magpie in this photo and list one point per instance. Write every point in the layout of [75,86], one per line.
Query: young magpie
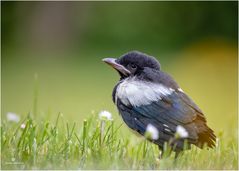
[145,95]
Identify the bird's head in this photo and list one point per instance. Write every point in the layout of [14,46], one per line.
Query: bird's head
[132,63]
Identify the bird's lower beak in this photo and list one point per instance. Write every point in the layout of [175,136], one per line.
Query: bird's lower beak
[112,62]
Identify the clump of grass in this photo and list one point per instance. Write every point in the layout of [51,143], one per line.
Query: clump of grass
[98,144]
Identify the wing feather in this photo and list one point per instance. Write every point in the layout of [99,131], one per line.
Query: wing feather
[166,114]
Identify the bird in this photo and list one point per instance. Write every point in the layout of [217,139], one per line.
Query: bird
[148,98]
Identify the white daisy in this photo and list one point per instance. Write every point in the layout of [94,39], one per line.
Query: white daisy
[152,132]
[105,115]
[181,132]
[23,126]
[13,117]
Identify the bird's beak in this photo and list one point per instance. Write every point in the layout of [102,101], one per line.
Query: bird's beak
[112,62]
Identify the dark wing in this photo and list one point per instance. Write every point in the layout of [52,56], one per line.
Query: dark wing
[166,114]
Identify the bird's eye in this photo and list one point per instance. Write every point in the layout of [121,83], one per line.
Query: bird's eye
[133,66]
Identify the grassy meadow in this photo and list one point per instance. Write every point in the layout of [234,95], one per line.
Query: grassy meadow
[62,128]
[60,145]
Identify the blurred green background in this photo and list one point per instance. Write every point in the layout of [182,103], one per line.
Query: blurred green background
[64,42]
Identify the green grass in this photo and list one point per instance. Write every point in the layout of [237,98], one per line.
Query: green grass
[51,141]
[62,145]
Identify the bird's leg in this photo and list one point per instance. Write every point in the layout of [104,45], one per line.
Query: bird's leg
[164,153]
[177,154]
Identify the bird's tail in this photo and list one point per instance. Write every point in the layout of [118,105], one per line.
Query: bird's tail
[206,135]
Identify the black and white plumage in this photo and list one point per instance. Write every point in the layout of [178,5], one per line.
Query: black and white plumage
[146,95]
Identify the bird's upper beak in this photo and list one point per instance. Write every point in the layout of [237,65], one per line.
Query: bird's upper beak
[112,62]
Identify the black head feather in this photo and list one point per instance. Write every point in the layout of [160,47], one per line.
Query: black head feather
[137,59]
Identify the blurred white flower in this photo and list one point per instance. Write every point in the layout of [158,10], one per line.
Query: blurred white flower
[181,132]
[152,132]
[13,117]
[105,115]
[23,126]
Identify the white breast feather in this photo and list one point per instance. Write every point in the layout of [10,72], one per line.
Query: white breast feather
[139,93]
